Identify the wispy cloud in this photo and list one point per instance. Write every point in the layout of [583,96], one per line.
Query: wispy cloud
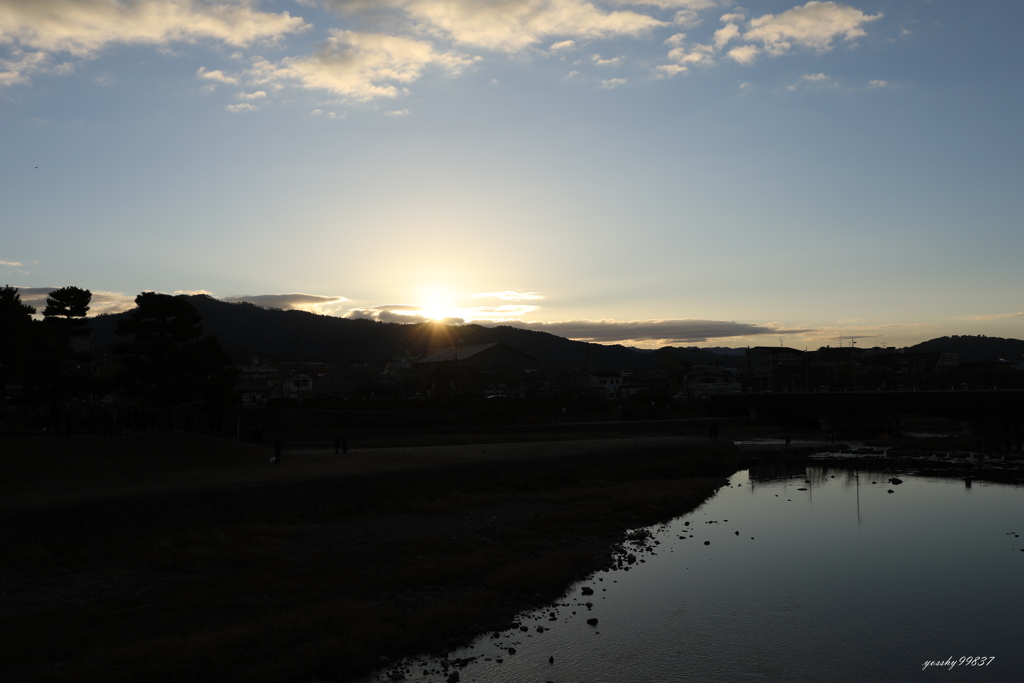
[399,313]
[11,263]
[612,83]
[360,66]
[406,313]
[679,331]
[993,316]
[102,301]
[51,36]
[215,75]
[39,30]
[510,295]
[314,303]
[815,25]
[514,26]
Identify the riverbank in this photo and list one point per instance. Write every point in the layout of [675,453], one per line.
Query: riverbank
[321,567]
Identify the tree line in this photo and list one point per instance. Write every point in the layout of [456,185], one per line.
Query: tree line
[163,362]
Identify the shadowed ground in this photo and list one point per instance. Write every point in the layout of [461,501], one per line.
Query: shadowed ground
[183,558]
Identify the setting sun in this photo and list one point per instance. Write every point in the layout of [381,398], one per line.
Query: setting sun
[436,303]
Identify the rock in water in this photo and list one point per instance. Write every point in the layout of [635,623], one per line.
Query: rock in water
[586,590]
[592,621]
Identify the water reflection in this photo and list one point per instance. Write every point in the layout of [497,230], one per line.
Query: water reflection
[793,573]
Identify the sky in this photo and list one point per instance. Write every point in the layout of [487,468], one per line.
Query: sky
[684,172]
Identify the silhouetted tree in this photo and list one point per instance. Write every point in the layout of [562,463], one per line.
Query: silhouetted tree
[166,363]
[64,317]
[15,337]
[68,307]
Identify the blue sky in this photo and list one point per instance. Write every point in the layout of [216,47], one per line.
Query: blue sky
[673,171]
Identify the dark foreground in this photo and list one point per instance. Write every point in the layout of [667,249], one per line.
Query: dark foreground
[324,577]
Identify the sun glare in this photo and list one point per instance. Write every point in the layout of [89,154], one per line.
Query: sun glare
[436,304]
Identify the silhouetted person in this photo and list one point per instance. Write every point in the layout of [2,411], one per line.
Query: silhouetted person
[789,439]
[337,444]
[277,451]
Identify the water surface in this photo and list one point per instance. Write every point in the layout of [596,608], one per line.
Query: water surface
[811,575]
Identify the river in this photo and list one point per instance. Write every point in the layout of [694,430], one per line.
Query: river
[813,574]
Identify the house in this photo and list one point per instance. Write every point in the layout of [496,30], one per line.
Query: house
[771,368]
[606,383]
[475,370]
[705,379]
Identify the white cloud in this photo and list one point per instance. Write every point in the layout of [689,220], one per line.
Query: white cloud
[612,83]
[19,69]
[818,80]
[39,29]
[563,45]
[733,17]
[611,61]
[878,84]
[725,34]
[215,75]
[744,54]
[510,26]
[675,39]
[688,13]
[696,54]
[258,95]
[673,4]
[11,263]
[361,66]
[314,303]
[397,112]
[666,70]
[814,25]
[509,295]
[243,107]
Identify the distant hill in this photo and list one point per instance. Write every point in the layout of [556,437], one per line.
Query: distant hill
[245,330]
[974,348]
